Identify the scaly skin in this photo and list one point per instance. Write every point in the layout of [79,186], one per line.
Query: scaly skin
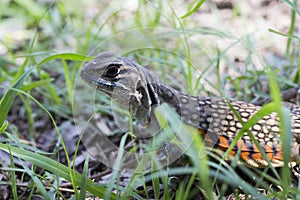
[126,81]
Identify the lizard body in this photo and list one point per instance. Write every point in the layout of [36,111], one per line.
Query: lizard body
[128,82]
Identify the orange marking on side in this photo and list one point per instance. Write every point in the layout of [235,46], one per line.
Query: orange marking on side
[232,153]
[245,155]
[241,145]
[223,142]
[245,152]
[256,155]
[224,145]
[269,152]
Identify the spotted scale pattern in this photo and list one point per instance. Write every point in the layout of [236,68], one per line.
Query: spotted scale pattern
[219,127]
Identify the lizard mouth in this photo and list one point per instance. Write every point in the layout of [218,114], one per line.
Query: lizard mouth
[98,83]
[105,87]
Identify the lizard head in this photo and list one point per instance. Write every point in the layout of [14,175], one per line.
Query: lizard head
[106,73]
[125,81]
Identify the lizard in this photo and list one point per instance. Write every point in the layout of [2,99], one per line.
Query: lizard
[128,82]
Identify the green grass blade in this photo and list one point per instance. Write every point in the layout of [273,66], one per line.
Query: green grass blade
[69,82]
[196,7]
[8,99]
[36,84]
[116,168]
[54,167]
[293,5]
[291,31]
[37,183]
[3,127]
[196,151]
[13,177]
[82,193]
[282,34]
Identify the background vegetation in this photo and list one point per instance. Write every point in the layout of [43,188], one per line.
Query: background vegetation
[216,48]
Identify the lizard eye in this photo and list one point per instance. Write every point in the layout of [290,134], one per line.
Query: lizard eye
[112,71]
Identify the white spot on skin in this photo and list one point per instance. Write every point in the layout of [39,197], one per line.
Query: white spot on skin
[262,121]
[271,122]
[208,102]
[193,98]
[225,129]
[254,132]
[214,106]
[216,124]
[296,124]
[202,103]
[246,137]
[204,125]
[216,130]
[245,119]
[271,136]
[257,127]
[221,102]
[224,122]
[194,116]
[184,100]
[261,135]
[230,134]
[233,129]
[236,107]
[239,125]
[229,117]
[296,130]
[209,119]
[245,114]
[249,110]
[215,115]
[232,123]
[275,129]
[137,95]
[265,130]
[221,111]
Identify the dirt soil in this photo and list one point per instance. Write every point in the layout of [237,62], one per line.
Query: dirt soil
[252,16]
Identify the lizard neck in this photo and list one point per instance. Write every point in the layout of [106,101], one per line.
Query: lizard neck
[168,95]
[192,110]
